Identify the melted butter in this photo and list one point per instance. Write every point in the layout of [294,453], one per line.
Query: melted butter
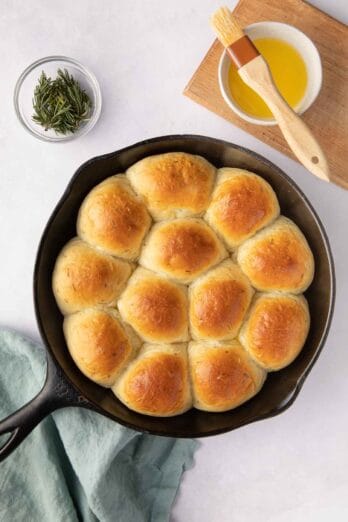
[289,73]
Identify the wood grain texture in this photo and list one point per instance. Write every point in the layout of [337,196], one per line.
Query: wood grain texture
[328,116]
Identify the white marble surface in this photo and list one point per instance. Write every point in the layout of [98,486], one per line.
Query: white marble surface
[292,468]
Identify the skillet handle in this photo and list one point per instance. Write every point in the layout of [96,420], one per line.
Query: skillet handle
[56,393]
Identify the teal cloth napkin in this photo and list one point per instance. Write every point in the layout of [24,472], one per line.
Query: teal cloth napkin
[78,465]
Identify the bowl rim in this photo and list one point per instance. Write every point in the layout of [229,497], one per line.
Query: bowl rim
[96,111]
[271,121]
[92,403]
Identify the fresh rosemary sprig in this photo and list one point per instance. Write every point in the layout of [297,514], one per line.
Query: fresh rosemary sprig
[60,104]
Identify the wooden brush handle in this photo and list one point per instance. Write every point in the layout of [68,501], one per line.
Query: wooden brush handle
[257,75]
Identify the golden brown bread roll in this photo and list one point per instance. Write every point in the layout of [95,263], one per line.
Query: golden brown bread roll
[156,383]
[99,344]
[278,258]
[223,376]
[175,184]
[276,329]
[218,302]
[155,307]
[242,203]
[113,218]
[84,277]
[182,249]
[194,220]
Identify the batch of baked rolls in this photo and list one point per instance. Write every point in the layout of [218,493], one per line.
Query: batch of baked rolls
[183,287]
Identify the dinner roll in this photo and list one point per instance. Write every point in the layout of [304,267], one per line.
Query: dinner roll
[99,344]
[223,376]
[170,254]
[218,302]
[276,329]
[156,383]
[113,218]
[182,249]
[278,258]
[84,277]
[155,307]
[175,184]
[242,204]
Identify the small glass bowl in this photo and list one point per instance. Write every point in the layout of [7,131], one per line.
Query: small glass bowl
[24,92]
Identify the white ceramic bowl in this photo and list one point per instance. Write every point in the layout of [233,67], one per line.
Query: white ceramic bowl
[300,42]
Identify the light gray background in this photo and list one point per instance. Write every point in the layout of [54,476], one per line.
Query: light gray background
[292,468]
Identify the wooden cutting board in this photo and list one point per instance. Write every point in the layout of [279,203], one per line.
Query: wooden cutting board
[328,116]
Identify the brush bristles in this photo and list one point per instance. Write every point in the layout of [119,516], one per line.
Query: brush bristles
[226,26]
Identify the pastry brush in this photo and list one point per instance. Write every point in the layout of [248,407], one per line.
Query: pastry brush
[255,72]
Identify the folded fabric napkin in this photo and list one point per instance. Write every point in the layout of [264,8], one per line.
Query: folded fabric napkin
[78,465]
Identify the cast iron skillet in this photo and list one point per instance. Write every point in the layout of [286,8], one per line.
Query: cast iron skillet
[66,386]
